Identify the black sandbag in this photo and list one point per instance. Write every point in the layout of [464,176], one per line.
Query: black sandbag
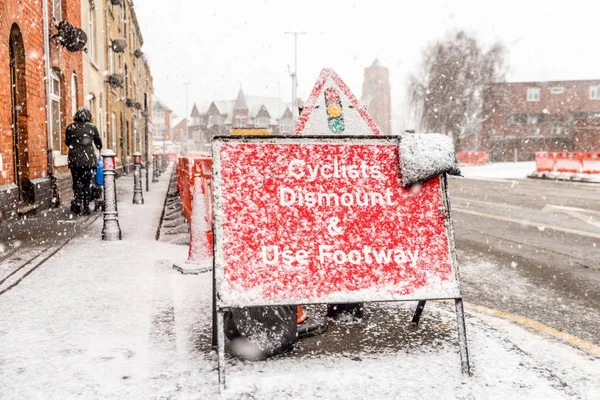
[257,333]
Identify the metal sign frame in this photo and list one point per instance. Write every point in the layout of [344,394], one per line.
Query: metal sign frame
[219,307]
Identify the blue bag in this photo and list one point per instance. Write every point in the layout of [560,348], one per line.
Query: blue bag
[100,172]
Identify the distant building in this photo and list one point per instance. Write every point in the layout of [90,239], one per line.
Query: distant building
[376,97]
[264,114]
[161,119]
[528,117]
[179,131]
[117,47]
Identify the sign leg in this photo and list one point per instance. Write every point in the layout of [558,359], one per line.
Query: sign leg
[462,337]
[221,351]
[418,311]
[215,323]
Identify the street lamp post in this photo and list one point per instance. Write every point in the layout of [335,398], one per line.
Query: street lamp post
[187,131]
[294,75]
[164,152]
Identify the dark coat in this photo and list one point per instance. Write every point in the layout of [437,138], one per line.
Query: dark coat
[81,138]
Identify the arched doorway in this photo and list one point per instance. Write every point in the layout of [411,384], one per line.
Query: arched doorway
[19,113]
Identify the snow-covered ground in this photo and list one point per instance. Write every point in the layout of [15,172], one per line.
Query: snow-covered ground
[503,170]
[520,170]
[114,320]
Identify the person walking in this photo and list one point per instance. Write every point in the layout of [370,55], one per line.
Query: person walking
[80,138]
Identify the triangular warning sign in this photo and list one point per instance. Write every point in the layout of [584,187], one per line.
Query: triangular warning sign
[332,109]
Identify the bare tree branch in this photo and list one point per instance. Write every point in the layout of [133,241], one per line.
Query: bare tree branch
[456,78]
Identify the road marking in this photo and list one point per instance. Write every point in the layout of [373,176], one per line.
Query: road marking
[574,341]
[578,213]
[573,209]
[529,223]
[489,203]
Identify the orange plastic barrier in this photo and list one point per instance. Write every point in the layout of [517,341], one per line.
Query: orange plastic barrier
[190,169]
[472,157]
[185,186]
[590,163]
[544,161]
[569,162]
[202,170]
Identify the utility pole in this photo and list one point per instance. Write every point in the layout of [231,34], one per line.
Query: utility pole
[294,75]
[187,132]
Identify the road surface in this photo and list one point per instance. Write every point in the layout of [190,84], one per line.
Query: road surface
[531,248]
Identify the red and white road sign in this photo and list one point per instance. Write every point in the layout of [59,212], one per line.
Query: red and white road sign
[332,109]
[321,220]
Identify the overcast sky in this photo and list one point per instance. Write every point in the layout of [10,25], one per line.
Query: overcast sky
[219,45]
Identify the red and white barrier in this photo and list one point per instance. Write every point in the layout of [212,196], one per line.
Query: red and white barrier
[568,163]
[472,157]
[591,163]
[200,255]
[545,162]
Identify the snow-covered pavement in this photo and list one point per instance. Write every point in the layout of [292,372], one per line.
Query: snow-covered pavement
[114,320]
[501,170]
[520,170]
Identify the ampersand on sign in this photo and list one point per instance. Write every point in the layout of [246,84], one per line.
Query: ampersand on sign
[333,228]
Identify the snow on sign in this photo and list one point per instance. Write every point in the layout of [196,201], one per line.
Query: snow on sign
[321,219]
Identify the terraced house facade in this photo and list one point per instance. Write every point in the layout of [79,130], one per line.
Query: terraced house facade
[47,39]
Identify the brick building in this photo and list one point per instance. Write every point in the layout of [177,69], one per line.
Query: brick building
[376,97]
[527,117]
[33,158]
[128,86]
[33,171]
[179,131]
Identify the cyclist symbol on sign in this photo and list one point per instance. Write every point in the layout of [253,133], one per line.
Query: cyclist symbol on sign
[333,228]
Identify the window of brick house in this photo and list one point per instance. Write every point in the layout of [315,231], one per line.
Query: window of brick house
[126,77]
[595,92]
[262,122]
[100,120]
[557,90]
[533,119]
[111,61]
[74,104]
[286,125]
[55,111]
[239,122]
[514,119]
[113,131]
[533,94]
[57,10]
[92,32]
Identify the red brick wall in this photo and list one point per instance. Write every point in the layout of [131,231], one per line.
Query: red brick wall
[68,63]
[28,16]
[557,110]
[180,132]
